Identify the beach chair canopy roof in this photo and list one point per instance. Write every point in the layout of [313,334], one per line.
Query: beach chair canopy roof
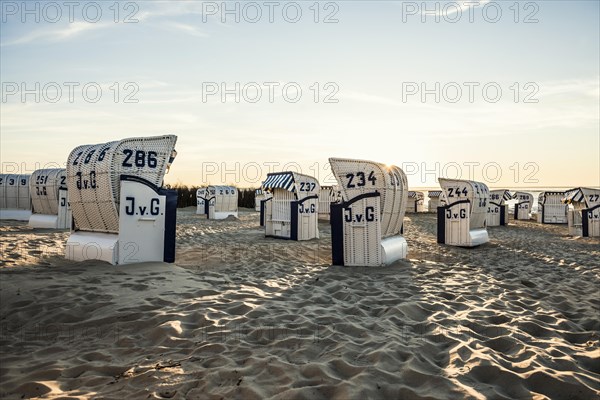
[14,180]
[588,196]
[94,173]
[506,194]
[335,189]
[225,190]
[500,195]
[574,196]
[330,192]
[290,181]
[543,196]
[261,192]
[415,195]
[215,190]
[455,190]
[434,193]
[523,196]
[14,191]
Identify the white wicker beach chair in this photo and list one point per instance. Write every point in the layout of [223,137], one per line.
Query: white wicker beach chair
[225,201]
[462,221]
[497,213]
[327,196]
[292,211]
[202,207]
[49,199]
[122,227]
[551,209]
[523,206]
[416,202]
[584,211]
[366,225]
[259,196]
[435,197]
[15,199]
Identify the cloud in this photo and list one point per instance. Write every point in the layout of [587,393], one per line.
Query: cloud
[153,14]
[66,32]
[169,9]
[185,28]
[154,10]
[571,87]
[459,6]
[564,105]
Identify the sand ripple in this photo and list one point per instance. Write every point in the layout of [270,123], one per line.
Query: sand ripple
[242,316]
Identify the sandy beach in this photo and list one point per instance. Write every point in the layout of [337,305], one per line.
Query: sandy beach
[241,316]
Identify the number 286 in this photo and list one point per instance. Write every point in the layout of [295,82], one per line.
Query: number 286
[140,158]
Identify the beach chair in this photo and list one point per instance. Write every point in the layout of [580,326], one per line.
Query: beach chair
[328,195]
[584,211]
[292,212]
[15,199]
[416,202]
[203,200]
[260,195]
[121,213]
[434,200]
[217,202]
[523,205]
[366,226]
[225,201]
[49,199]
[551,209]
[497,213]
[462,221]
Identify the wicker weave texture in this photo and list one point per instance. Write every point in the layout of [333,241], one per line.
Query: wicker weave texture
[476,193]
[93,176]
[357,177]
[328,195]
[14,192]
[524,204]
[44,185]
[552,208]
[226,198]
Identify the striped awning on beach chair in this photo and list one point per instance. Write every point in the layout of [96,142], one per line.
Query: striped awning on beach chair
[574,196]
[280,180]
[434,193]
[499,196]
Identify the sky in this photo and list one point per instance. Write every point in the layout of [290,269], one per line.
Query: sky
[507,93]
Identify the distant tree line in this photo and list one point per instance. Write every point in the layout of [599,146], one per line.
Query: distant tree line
[186,196]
